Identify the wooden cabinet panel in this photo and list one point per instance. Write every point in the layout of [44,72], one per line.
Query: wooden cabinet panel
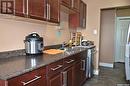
[69,61]
[33,78]
[20,6]
[55,67]
[77,74]
[80,69]
[53,11]
[68,76]
[83,71]
[7,7]
[54,74]
[55,80]
[83,14]
[76,5]
[74,20]
[70,71]
[78,19]
[66,3]
[37,9]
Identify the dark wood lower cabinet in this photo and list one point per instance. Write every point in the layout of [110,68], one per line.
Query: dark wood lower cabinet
[77,74]
[68,77]
[55,80]
[69,71]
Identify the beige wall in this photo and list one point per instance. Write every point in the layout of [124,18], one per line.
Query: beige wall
[12,33]
[93,19]
[107,33]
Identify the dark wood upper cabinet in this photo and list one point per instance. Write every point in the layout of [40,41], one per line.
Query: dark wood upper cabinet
[83,8]
[66,3]
[76,5]
[78,19]
[20,6]
[71,4]
[36,9]
[53,11]
[7,7]
[74,20]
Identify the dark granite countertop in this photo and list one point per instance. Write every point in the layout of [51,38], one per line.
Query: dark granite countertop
[17,65]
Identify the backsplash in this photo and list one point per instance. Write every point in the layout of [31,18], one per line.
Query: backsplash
[21,52]
[12,33]
[8,54]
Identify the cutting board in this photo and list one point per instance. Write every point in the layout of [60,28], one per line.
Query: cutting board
[53,51]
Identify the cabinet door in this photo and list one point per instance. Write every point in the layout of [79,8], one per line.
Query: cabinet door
[7,7]
[20,6]
[75,5]
[55,80]
[77,74]
[74,20]
[68,77]
[53,11]
[67,3]
[83,71]
[36,9]
[83,14]
[78,19]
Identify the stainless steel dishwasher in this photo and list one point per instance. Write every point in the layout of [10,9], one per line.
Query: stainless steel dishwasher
[90,56]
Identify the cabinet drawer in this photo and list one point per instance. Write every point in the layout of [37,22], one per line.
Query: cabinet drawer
[30,79]
[69,61]
[78,57]
[55,67]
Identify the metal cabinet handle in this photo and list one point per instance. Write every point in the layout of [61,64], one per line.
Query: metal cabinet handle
[68,62]
[27,8]
[84,22]
[45,9]
[49,8]
[72,3]
[23,6]
[59,66]
[65,78]
[83,66]
[36,78]
[48,11]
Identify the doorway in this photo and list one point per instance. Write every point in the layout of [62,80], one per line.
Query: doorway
[122,25]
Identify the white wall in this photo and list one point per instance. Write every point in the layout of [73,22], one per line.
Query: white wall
[12,33]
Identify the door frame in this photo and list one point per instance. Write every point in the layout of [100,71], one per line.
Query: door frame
[115,43]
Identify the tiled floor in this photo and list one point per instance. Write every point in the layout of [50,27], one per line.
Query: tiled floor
[109,77]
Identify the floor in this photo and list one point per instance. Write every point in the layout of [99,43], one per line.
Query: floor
[109,77]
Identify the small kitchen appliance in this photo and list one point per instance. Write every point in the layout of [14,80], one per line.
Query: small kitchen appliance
[33,44]
[86,43]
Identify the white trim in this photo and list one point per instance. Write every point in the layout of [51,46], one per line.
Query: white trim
[96,72]
[116,37]
[106,64]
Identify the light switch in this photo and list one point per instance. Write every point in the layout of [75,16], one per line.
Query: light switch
[95,32]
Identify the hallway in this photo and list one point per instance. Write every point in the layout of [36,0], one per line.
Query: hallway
[109,77]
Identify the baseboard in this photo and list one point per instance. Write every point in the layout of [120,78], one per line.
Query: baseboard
[96,72]
[106,64]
